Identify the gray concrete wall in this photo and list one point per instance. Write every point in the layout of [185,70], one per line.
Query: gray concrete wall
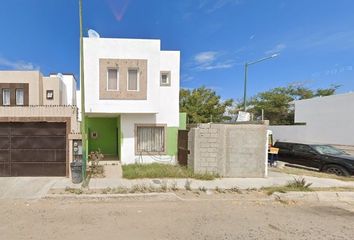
[230,150]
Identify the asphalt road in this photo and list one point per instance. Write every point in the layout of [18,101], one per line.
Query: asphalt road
[195,218]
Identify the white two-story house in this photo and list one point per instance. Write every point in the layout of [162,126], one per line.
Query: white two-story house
[132,99]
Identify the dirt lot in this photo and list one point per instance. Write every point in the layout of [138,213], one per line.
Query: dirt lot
[192,218]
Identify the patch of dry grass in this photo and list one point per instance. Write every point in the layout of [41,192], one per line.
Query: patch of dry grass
[311,173]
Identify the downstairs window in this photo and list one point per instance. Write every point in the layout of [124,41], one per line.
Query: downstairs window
[150,139]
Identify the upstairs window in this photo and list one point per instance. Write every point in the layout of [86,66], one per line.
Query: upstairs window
[165,79]
[112,79]
[6,97]
[19,97]
[50,94]
[133,81]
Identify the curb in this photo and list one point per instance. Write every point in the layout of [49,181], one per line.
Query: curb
[128,196]
[315,196]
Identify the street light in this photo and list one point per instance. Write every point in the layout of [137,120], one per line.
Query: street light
[246,68]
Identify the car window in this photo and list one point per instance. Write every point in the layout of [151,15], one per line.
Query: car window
[326,149]
[282,145]
[302,148]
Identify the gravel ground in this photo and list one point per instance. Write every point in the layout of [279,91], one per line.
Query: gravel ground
[194,218]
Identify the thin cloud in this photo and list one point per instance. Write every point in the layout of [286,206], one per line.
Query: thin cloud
[211,60]
[205,57]
[252,37]
[337,40]
[17,65]
[186,78]
[276,49]
[210,6]
[333,71]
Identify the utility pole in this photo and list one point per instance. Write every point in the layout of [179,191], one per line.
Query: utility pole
[245,88]
[82,90]
[246,72]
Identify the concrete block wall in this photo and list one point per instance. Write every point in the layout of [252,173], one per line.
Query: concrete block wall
[229,150]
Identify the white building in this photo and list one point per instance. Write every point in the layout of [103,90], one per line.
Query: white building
[68,88]
[132,99]
[328,120]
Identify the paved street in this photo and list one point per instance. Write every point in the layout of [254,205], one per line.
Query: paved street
[195,217]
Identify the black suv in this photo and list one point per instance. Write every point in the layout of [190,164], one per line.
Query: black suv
[326,158]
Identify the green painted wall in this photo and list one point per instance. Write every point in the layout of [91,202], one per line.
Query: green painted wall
[120,138]
[183,121]
[107,132]
[172,134]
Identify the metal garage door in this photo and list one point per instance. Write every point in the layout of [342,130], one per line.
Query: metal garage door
[32,149]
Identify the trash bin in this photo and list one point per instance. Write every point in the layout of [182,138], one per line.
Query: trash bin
[76,171]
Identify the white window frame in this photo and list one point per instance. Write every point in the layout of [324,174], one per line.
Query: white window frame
[117,89]
[23,96]
[137,79]
[140,152]
[168,79]
[2,92]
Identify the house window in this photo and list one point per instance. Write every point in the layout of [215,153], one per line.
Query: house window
[133,80]
[165,79]
[6,96]
[50,94]
[112,79]
[150,139]
[19,96]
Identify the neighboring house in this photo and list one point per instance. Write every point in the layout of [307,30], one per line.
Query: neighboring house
[327,120]
[132,99]
[37,123]
[68,88]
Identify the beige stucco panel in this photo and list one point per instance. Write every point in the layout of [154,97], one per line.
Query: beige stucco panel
[123,66]
[33,78]
[51,83]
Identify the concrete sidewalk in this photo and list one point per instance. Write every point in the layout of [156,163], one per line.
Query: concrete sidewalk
[347,197]
[27,187]
[275,179]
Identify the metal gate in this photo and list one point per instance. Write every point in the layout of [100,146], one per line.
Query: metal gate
[183,147]
[32,149]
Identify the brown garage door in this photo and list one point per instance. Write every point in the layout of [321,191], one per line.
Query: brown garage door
[32,149]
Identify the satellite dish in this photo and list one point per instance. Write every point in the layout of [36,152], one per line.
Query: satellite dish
[93,34]
[59,75]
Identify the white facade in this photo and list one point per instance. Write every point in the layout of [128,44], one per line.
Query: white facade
[67,88]
[161,105]
[99,48]
[328,120]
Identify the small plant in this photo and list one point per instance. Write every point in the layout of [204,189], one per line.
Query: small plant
[163,185]
[219,190]
[187,185]
[94,158]
[235,190]
[120,190]
[74,190]
[202,189]
[174,186]
[106,190]
[298,183]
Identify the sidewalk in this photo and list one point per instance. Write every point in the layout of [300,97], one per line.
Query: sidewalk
[274,179]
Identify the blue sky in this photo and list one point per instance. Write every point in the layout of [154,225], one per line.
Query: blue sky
[315,38]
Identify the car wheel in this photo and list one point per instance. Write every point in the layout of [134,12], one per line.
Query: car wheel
[336,169]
